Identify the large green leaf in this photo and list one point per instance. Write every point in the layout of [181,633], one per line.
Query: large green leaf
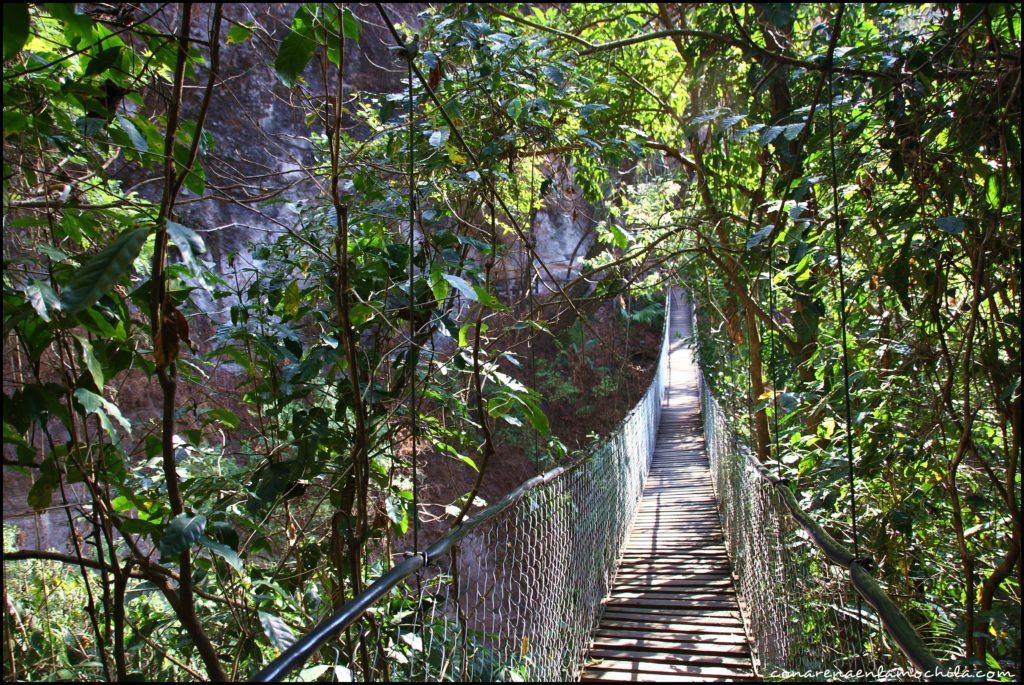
[438,284]
[15,28]
[462,286]
[181,533]
[103,271]
[350,25]
[41,493]
[239,33]
[536,416]
[224,551]
[515,108]
[42,298]
[105,411]
[759,236]
[189,244]
[277,631]
[296,49]
[620,236]
[91,362]
[138,140]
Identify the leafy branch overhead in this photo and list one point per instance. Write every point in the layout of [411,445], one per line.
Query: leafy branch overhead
[292,290]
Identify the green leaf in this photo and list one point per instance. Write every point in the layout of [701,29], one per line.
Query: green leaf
[225,552]
[181,533]
[753,128]
[53,253]
[14,122]
[104,410]
[771,133]
[729,122]
[314,673]
[91,363]
[296,49]
[239,33]
[103,61]
[515,108]
[90,126]
[350,26]
[41,493]
[137,139]
[398,513]
[277,631]
[438,285]
[462,286]
[953,225]
[793,130]
[103,271]
[536,416]
[487,298]
[195,179]
[42,298]
[554,73]
[439,137]
[620,236]
[75,24]
[292,300]
[15,28]
[992,191]
[188,243]
[224,416]
[759,236]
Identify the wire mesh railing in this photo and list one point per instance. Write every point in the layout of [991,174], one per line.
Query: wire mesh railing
[511,594]
[810,607]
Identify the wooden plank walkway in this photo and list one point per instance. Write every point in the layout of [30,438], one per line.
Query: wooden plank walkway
[673,615]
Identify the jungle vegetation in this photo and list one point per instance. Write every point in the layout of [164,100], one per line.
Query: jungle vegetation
[804,170]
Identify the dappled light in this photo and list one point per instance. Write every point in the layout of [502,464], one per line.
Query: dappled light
[510,342]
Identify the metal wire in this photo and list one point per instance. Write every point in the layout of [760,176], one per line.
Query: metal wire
[518,595]
[801,611]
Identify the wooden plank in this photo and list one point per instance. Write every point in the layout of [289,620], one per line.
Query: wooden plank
[671,595]
[650,634]
[654,625]
[668,656]
[661,669]
[636,586]
[696,617]
[673,612]
[709,583]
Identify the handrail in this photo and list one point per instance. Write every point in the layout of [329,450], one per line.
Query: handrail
[895,623]
[332,626]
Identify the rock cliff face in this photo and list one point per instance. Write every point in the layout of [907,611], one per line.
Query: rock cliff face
[261,137]
[261,144]
[563,227]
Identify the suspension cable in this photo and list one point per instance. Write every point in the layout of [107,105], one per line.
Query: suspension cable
[851,476]
[772,361]
[413,426]
[538,462]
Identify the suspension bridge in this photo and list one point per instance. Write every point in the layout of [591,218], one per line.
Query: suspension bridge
[669,553]
[673,612]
